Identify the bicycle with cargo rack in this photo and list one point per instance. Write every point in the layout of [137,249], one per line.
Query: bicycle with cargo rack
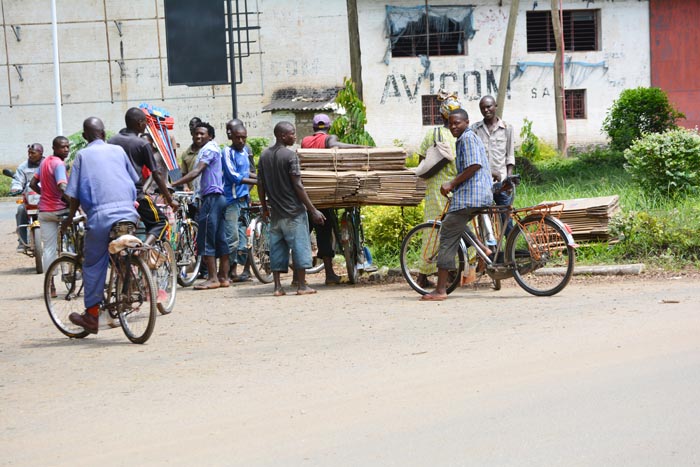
[538,239]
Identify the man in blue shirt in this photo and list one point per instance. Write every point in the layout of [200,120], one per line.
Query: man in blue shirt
[237,177]
[470,189]
[211,236]
[102,182]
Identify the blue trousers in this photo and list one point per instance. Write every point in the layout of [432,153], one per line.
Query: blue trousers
[235,231]
[96,255]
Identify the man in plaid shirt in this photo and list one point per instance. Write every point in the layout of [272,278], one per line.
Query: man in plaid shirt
[471,189]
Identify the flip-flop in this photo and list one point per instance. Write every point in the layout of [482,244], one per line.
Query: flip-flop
[433,298]
[206,287]
[224,284]
[280,293]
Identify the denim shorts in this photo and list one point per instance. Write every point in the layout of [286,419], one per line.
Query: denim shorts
[290,233]
[211,236]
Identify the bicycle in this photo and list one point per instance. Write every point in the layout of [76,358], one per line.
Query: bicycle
[538,239]
[130,292]
[163,263]
[187,258]
[349,241]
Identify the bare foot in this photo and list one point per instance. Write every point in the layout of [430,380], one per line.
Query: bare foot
[433,297]
[208,284]
[305,291]
[279,292]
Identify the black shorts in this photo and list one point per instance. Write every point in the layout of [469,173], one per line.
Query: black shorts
[152,217]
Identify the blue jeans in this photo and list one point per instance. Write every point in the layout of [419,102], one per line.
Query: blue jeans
[290,233]
[235,231]
[211,237]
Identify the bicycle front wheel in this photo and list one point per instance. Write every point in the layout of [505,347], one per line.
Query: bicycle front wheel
[136,299]
[188,261]
[165,277]
[533,244]
[66,275]
[418,256]
[260,251]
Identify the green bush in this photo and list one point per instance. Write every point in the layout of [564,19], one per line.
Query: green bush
[258,145]
[385,227]
[638,111]
[665,235]
[666,162]
[533,148]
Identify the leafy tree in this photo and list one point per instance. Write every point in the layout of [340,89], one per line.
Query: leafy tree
[350,127]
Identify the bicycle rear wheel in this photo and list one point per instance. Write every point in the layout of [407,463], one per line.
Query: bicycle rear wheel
[187,259]
[165,277]
[67,275]
[348,240]
[537,243]
[136,299]
[260,251]
[418,257]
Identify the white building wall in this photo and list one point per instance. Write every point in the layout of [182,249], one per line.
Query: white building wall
[301,44]
[625,52]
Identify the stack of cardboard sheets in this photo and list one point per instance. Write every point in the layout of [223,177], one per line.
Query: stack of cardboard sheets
[589,218]
[362,176]
[352,159]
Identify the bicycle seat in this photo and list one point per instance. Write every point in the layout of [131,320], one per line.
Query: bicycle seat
[123,227]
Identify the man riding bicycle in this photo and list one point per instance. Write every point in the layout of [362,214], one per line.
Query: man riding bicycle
[102,183]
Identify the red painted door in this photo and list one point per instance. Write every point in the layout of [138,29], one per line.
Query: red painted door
[675,60]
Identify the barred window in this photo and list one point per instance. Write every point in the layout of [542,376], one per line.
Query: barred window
[580,31]
[575,103]
[431,110]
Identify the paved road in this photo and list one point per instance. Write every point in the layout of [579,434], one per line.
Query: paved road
[605,373]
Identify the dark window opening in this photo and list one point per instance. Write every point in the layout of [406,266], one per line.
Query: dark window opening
[430,108]
[431,30]
[575,103]
[580,31]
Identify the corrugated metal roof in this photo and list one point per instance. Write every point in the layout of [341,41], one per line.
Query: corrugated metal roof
[303,99]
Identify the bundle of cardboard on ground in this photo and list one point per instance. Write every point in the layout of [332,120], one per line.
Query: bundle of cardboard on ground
[589,218]
[356,177]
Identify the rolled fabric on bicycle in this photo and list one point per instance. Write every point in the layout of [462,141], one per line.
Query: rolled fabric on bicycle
[124,242]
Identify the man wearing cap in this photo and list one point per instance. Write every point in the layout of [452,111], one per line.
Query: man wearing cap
[322,140]
[20,182]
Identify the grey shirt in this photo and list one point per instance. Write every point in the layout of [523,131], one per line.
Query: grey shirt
[274,170]
[499,145]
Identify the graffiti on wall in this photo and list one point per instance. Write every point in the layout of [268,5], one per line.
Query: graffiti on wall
[474,84]
[470,84]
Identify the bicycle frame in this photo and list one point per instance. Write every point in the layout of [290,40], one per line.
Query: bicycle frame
[503,269]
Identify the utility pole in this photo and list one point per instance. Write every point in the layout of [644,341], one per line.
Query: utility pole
[559,77]
[355,51]
[507,51]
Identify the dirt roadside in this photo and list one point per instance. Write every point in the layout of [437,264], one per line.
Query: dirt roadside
[358,375]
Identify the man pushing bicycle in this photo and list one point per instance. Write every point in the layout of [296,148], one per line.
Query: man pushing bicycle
[470,190]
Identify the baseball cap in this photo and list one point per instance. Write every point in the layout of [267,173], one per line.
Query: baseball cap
[321,121]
